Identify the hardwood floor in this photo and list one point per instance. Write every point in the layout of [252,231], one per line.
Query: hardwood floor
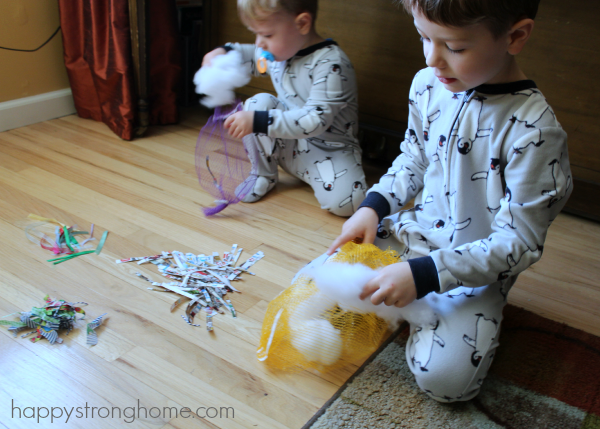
[146,194]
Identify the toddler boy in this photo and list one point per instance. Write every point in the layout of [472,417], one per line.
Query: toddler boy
[486,162]
[310,128]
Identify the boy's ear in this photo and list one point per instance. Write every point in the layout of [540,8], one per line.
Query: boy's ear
[519,34]
[304,23]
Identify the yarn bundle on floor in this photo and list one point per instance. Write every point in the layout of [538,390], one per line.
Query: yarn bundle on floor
[305,328]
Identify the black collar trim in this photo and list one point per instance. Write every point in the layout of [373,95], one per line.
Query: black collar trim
[315,47]
[505,88]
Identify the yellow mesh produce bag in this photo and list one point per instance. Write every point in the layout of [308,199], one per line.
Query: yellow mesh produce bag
[303,329]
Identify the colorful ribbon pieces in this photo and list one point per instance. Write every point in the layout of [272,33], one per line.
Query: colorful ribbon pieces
[65,244]
[61,259]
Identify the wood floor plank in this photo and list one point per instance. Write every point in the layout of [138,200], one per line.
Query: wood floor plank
[131,305]
[146,194]
[190,423]
[162,204]
[200,366]
[177,384]
[79,200]
[29,369]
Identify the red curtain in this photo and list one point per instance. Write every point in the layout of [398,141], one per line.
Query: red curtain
[97,51]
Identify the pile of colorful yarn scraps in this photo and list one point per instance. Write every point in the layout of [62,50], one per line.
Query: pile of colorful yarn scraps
[205,280]
[56,314]
[65,242]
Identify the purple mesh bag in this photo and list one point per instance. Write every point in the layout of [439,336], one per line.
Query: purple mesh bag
[223,164]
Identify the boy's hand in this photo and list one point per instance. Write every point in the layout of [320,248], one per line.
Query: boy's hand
[240,124]
[394,285]
[207,60]
[363,224]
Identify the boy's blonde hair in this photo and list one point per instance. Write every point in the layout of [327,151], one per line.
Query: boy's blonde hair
[249,9]
[497,15]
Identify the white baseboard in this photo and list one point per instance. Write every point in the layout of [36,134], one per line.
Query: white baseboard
[39,108]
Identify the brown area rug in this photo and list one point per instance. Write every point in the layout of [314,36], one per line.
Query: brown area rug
[545,375]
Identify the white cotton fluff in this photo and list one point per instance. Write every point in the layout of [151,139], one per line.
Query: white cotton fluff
[343,283]
[217,81]
[318,341]
[311,308]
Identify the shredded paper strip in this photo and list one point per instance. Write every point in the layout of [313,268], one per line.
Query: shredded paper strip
[55,315]
[204,279]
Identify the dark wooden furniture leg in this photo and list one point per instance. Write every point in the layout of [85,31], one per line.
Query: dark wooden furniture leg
[139,49]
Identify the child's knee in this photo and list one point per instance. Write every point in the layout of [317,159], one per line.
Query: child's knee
[262,101]
[335,206]
[342,201]
[451,382]
[342,211]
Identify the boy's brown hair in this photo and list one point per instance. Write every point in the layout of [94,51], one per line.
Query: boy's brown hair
[497,15]
[251,8]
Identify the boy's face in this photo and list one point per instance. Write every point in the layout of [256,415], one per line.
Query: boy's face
[464,57]
[277,33]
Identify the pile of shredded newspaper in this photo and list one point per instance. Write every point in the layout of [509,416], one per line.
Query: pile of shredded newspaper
[205,280]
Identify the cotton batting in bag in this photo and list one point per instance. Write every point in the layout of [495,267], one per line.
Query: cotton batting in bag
[316,324]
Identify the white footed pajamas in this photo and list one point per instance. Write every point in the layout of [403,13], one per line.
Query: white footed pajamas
[334,172]
[310,128]
[450,358]
[488,170]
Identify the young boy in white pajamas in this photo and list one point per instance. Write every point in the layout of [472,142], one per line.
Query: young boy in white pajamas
[310,128]
[486,162]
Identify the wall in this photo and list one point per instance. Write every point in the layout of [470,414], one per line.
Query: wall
[26,24]
[562,57]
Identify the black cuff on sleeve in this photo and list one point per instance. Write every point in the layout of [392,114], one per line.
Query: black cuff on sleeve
[227,48]
[261,122]
[425,275]
[377,202]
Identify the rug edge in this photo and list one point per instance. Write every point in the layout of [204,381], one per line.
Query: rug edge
[359,371]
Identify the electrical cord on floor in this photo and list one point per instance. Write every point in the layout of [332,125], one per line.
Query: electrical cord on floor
[36,49]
